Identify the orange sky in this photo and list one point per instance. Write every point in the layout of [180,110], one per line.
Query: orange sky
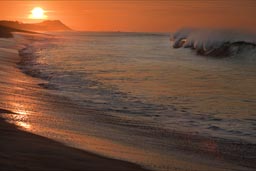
[151,15]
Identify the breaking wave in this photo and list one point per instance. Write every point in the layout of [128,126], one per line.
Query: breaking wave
[219,43]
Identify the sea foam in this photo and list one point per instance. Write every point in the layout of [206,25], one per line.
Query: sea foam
[214,42]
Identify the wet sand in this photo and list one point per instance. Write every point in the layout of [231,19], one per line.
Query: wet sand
[32,109]
[21,150]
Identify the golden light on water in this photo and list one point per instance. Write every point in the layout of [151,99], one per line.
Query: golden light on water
[23,125]
[20,116]
[19,120]
[19,108]
[21,112]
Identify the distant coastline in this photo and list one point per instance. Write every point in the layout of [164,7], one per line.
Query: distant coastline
[6,32]
[8,27]
[47,25]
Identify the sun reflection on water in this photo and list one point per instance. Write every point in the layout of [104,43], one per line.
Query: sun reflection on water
[19,108]
[23,125]
[20,116]
[22,112]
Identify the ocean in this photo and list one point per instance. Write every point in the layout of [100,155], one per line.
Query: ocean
[132,96]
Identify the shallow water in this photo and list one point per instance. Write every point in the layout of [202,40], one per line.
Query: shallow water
[140,75]
[132,96]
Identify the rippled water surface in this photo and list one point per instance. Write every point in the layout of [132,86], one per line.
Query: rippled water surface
[132,96]
[140,75]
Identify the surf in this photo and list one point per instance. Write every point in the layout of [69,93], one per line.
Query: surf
[214,42]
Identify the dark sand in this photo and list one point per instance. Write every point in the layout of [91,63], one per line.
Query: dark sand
[20,150]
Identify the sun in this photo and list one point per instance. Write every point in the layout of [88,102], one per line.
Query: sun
[37,13]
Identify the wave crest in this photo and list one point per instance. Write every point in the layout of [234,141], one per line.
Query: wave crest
[219,43]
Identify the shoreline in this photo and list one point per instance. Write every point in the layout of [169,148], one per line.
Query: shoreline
[22,150]
[185,147]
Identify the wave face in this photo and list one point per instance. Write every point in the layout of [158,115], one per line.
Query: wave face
[219,43]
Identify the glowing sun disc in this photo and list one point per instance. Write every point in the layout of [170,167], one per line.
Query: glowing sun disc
[37,13]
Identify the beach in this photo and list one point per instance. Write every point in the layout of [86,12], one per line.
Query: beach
[20,150]
[128,85]
[45,125]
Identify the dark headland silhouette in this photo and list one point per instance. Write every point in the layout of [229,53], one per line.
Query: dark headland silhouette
[6,27]
[47,25]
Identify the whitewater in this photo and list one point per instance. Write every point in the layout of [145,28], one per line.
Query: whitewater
[135,97]
[217,43]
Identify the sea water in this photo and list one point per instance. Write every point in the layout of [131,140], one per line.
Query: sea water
[136,82]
